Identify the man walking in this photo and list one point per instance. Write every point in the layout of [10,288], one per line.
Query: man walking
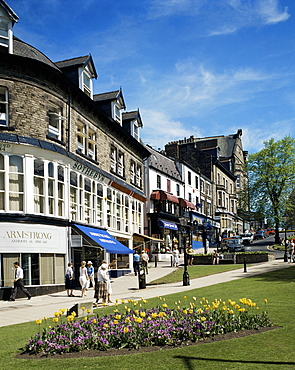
[136,263]
[144,261]
[18,282]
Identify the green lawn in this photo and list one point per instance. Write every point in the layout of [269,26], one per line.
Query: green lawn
[270,350]
[195,272]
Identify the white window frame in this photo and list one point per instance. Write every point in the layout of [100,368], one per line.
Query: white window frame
[4,103]
[55,115]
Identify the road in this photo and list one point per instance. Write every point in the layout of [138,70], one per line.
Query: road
[263,245]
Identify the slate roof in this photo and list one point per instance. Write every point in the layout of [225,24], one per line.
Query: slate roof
[164,164]
[130,116]
[110,96]
[25,50]
[76,62]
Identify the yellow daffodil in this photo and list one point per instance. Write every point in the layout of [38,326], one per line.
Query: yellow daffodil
[231,312]
[45,318]
[149,319]
[265,300]
[203,318]
[126,330]
[118,317]
[154,315]
[127,319]
[116,322]
[184,311]
[56,314]
[164,305]
[38,321]
[142,314]
[88,311]
[55,319]
[194,298]
[71,317]
[94,321]
[105,325]
[85,318]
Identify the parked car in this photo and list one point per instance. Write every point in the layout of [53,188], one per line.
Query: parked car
[260,234]
[270,232]
[247,238]
[234,244]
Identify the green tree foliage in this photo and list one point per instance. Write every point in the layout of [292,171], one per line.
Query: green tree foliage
[271,179]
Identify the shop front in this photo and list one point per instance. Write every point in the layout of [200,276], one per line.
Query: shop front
[40,250]
[95,245]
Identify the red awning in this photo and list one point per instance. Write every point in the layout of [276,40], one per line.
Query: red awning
[162,195]
[186,203]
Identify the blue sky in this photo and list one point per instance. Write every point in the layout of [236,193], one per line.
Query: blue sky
[192,67]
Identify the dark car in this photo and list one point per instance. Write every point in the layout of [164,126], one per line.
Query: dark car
[260,234]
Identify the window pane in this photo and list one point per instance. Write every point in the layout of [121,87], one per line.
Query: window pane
[50,170]
[1,162]
[38,168]
[16,182]
[15,163]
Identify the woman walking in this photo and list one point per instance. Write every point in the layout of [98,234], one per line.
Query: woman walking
[101,288]
[83,278]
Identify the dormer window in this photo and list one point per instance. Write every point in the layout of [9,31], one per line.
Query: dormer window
[86,83]
[117,112]
[7,20]
[4,39]
[136,131]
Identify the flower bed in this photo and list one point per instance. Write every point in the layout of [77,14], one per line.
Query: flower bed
[133,327]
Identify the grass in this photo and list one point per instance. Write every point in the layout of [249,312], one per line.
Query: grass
[194,272]
[270,350]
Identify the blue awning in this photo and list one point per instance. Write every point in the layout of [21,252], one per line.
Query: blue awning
[167,225]
[105,240]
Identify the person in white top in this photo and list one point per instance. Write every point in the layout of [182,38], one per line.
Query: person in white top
[144,261]
[83,278]
[18,282]
[175,254]
[101,288]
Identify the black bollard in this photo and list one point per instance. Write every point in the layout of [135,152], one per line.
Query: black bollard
[156,260]
[245,266]
[141,279]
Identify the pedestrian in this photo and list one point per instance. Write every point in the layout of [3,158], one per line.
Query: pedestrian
[101,285]
[190,257]
[136,263]
[291,250]
[175,254]
[18,282]
[69,284]
[90,273]
[144,261]
[83,278]
[215,258]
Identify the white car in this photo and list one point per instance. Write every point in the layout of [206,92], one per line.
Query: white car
[247,238]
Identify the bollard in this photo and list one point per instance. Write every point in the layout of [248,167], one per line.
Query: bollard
[141,279]
[245,266]
[156,261]
[171,261]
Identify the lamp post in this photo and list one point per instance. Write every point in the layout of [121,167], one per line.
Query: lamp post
[285,218]
[204,236]
[184,227]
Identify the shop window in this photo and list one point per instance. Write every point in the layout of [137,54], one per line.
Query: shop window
[30,265]
[59,268]
[3,105]
[87,200]
[47,269]
[16,183]
[8,270]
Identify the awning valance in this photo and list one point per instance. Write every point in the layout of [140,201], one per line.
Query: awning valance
[167,225]
[163,195]
[105,240]
[186,203]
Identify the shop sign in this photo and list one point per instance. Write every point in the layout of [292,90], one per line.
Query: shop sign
[32,238]
[88,171]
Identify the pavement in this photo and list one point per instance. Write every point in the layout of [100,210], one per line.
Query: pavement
[125,287]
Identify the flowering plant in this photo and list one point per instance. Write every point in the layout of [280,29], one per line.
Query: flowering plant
[134,327]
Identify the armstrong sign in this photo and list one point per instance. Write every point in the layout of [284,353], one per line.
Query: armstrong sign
[30,238]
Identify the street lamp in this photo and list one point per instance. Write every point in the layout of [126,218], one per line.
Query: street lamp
[285,218]
[204,236]
[184,226]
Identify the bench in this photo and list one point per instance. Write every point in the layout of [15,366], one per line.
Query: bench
[228,258]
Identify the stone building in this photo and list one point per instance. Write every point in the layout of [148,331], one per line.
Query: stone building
[221,159]
[71,167]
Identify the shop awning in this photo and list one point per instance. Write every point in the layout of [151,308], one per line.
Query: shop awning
[163,195]
[167,225]
[105,240]
[147,237]
[186,203]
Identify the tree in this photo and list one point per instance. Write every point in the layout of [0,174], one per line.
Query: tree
[271,179]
